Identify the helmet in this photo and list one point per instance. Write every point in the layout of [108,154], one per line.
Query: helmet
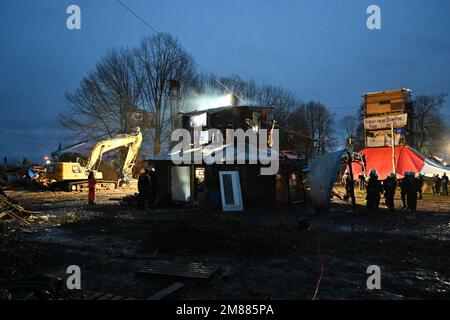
[373,172]
[392,175]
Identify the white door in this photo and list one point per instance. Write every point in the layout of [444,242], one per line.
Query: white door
[230,190]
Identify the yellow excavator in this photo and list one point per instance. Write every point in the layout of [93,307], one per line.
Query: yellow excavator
[72,176]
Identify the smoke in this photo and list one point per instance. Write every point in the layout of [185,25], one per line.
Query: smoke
[197,102]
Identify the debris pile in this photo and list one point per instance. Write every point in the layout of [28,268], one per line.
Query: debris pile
[10,209]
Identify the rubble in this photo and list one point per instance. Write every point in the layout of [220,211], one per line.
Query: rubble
[10,209]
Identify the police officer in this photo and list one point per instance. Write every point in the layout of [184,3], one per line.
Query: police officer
[433,184]
[389,186]
[362,181]
[420,185]
[437,185]
[411,192]
[444,184]
[374,190]
[403,187]
[348,183]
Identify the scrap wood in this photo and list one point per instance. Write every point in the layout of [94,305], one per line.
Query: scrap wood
[10,208]
[104,296]
[166,291]
[187,270]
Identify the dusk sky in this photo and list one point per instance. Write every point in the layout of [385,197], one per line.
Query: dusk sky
[320,50]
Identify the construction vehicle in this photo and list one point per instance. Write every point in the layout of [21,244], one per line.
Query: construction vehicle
[73,176]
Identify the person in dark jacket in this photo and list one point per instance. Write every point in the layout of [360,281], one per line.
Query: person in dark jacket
[143,188]
[420,185]
[154,185]
[373,191]
[433,184]
[403,187]
[437,185]
[389,186]
[348,184]
[362,181]
[411,192]
[444,184]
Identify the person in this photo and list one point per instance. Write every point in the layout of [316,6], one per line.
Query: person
[91,184]
[361,180]
[437,185]
[420,185]
[143,188]
[154,185]
[389,186]
[348,184]
[5,162]
[411,192]
[403,186]
[444,184]
[373,191]
[433,184]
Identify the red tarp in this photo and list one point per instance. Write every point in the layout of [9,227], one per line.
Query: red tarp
[380,159]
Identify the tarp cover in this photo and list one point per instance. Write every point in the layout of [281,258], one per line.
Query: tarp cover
[406,159]
[321,177]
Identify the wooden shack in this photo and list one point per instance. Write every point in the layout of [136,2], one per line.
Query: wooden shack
[388,118]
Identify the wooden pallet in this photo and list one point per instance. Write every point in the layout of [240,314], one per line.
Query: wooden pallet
[101,296]
[105,296]
[186,270]
[8,208]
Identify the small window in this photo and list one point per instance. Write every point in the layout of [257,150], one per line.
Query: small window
[51,169]
[75,169]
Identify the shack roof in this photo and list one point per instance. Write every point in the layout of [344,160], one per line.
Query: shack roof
[387,91]
[219,109]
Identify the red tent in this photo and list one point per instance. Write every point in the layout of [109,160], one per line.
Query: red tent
[406,159]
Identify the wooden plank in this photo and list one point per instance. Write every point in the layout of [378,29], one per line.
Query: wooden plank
[179,273]
[106,297]
[15,216]
[167,291]
[169,267]
[190,270]
[95,296]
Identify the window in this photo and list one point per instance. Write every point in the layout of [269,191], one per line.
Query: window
[51,169]
[75,169]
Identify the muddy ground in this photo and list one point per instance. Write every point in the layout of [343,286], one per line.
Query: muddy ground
[261,254]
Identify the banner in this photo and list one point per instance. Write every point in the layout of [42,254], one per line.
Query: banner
[385,122]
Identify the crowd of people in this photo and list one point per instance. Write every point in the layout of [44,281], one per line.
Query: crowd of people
[439,185]
[411,187]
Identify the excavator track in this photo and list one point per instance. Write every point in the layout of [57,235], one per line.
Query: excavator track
[84,185]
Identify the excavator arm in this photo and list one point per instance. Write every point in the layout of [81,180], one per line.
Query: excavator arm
[133,141]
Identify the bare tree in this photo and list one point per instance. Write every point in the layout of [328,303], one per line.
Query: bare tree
[350,125]
[161,59]
[99,105]
[430,127]
[125,79]
[313,125]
